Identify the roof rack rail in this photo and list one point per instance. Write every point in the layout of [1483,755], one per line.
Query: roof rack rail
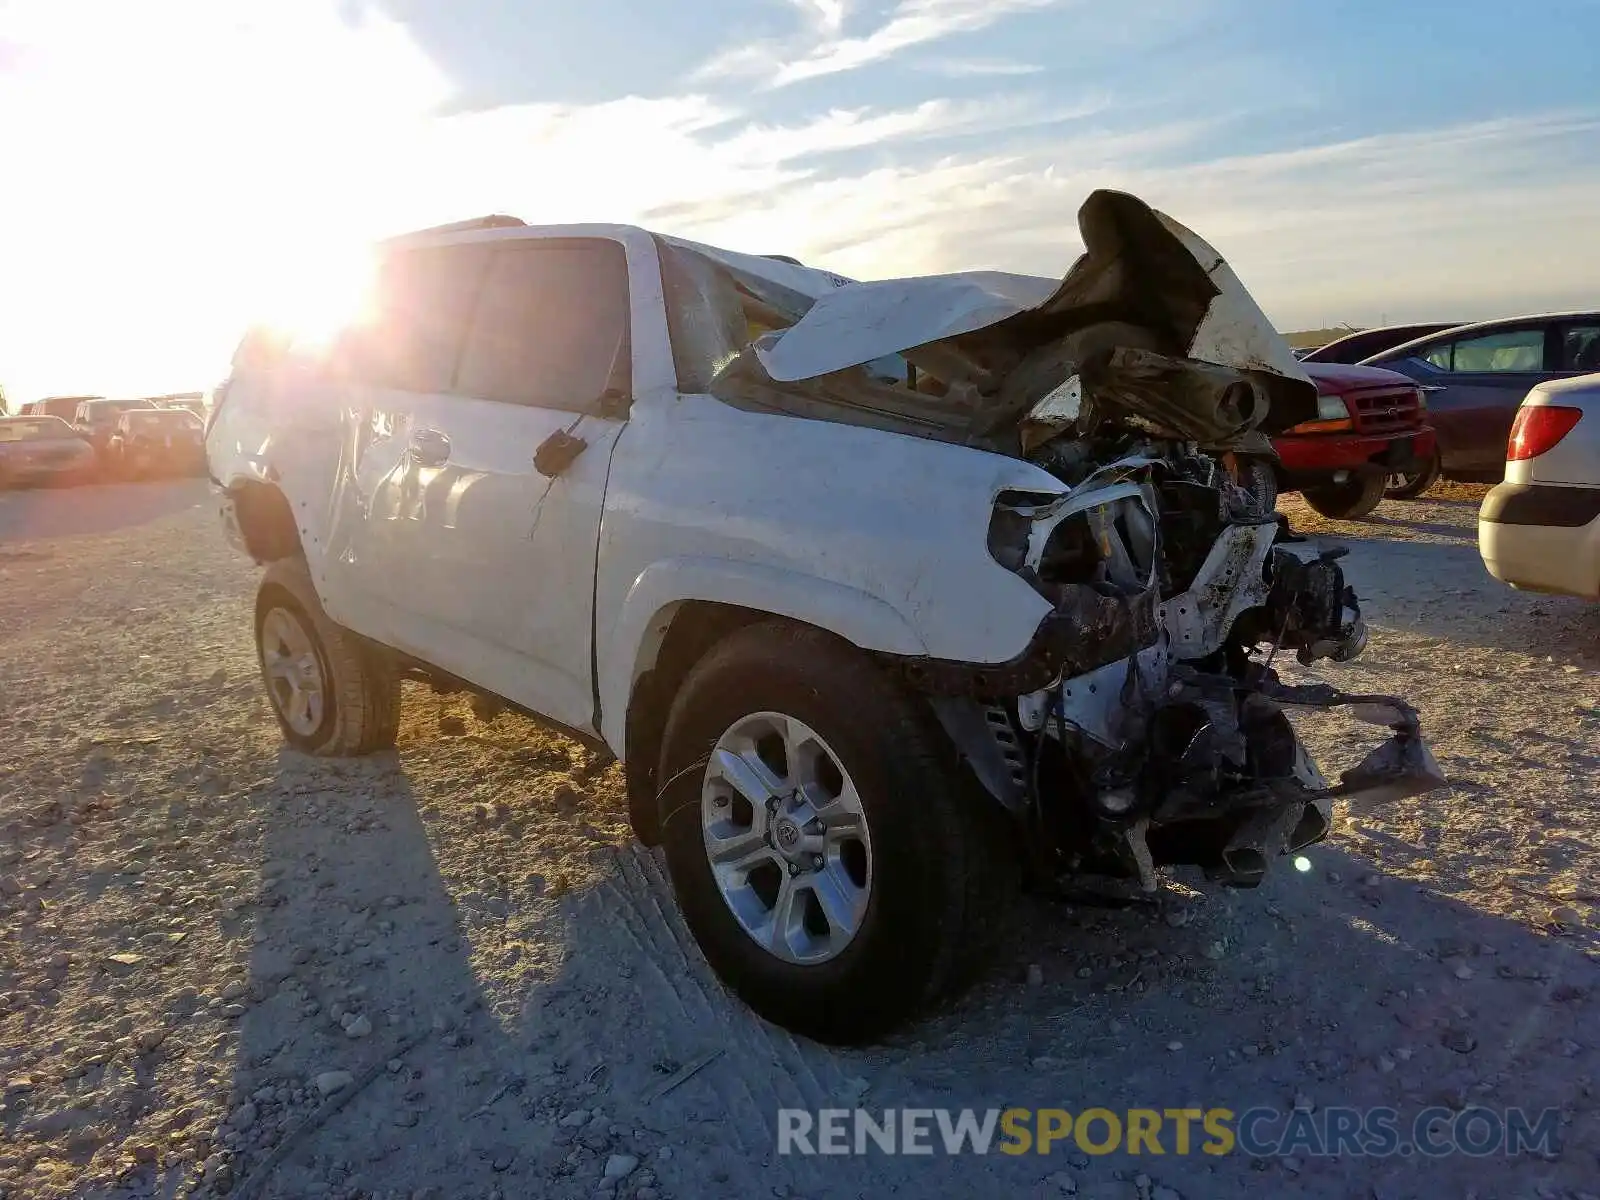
[493,221]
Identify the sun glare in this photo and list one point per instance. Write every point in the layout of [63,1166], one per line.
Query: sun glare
[312,301]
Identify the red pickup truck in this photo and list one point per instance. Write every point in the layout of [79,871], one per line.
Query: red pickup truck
[1370,438]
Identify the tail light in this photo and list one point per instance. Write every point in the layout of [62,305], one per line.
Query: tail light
[1538,428]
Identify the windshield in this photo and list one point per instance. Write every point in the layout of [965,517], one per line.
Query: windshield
[30,429]
[719,302]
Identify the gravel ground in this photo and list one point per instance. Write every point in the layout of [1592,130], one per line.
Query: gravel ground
[199,930]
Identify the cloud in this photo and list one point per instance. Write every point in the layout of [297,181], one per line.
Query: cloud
[967,68]
[826,15]
[169,192]
[909,24]
[1346,230]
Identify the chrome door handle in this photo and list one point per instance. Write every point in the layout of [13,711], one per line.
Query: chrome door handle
[429,448]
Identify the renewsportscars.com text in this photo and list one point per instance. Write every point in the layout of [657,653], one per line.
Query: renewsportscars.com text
[1259,1132]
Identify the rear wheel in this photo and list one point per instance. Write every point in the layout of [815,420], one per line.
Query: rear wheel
[1408,485]
[1347,501]
[332,692]
[823,846]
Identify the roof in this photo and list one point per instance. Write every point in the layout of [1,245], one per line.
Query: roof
[1488,327]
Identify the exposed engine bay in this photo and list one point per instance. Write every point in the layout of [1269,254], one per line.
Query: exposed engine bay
[1144,723]
[1160,735]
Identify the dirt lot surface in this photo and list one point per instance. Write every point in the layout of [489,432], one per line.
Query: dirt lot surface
[199,930]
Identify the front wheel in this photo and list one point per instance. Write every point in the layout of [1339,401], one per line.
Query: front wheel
[1408,485]
[1351,500]
[1256,476]
[822,845]
[332,692]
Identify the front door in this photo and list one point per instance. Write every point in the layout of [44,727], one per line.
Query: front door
[1473,387]
[491,500]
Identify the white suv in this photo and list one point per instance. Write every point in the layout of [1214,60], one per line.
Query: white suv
[887,594]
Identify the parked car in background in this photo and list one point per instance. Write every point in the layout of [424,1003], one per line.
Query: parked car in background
[194,402]
[42,450]
[65,407]
[1361,344]
[158,441]
[1540,528]
[95,419]
[1370,425]
[1475,376]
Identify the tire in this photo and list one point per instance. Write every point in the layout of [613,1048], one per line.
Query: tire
[1410,487]
[1348,501]
[928,881]
[357,710]
[1256,477]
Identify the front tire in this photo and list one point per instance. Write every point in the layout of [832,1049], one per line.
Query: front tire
[823,846]
[333,693]
[1404,486]
[1348,501]
[1256,476]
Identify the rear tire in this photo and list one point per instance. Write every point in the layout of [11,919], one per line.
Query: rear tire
[1398,486]
[333,693]
[1348,501]
[929,878]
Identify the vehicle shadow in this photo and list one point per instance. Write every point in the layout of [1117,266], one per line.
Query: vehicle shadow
[94,508]
[1455,533]
[1345,985]
[355,919]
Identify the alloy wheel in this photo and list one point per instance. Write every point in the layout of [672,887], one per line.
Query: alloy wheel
[786,837]
[293,671]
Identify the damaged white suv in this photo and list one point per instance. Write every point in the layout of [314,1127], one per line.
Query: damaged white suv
[887,594]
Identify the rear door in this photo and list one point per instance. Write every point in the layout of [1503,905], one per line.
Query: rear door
[386,379]
[493,486]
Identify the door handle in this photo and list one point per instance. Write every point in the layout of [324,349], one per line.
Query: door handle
[1432,387]
[429,448]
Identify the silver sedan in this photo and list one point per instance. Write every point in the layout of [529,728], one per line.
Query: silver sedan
[42,450]
[1540,529]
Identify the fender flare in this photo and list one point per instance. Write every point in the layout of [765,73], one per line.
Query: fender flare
[653,598]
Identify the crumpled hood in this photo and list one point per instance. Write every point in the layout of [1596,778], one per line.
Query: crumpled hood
[1141,271]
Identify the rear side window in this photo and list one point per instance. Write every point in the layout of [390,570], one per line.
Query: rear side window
[551,327]
[421,306]
[1580,348]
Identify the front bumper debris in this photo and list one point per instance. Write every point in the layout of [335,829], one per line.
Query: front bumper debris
[1155,732]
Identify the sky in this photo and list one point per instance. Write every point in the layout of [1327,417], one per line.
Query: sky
[173,170]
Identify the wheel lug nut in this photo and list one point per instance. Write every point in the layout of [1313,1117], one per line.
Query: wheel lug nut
[794,868]
[816,862]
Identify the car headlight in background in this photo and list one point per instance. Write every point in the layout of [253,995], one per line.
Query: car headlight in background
[1333,416]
